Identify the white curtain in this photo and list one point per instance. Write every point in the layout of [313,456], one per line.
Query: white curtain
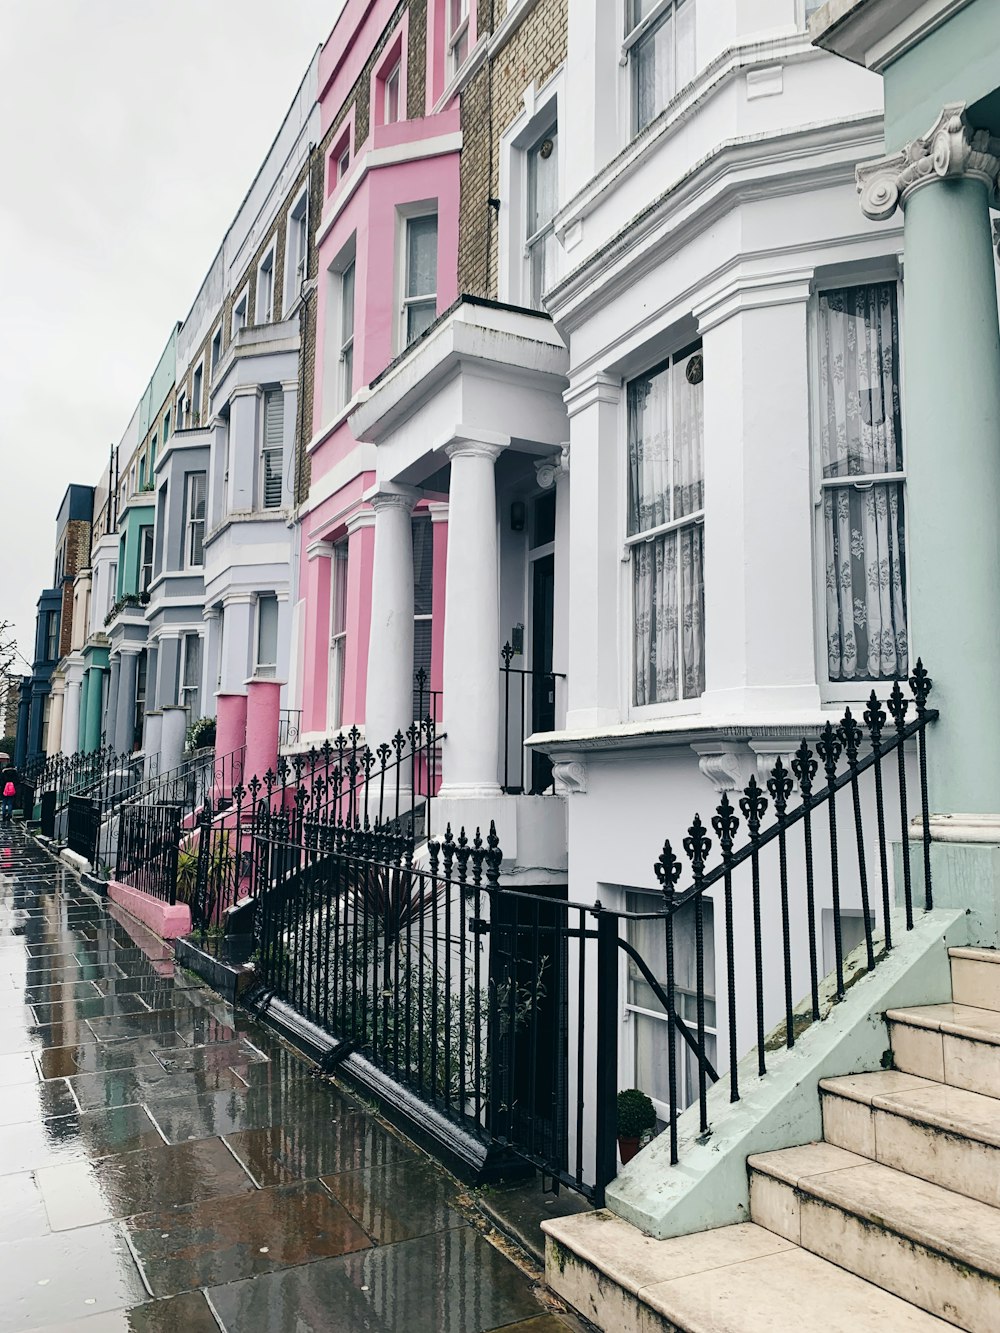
[863,520]
[666,482]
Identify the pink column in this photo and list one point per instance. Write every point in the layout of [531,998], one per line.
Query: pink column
[230,738]
[263,709]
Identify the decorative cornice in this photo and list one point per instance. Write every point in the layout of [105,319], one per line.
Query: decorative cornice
[950,150]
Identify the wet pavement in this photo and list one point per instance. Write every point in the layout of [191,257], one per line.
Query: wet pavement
[167,1165]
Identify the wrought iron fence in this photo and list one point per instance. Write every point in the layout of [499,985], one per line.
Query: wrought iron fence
[148,848]
[83,827]
[529,704]
[289,726]
[834,848]
[501,1009]
[216,864]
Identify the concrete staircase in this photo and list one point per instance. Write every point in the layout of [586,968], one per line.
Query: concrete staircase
[892,1222]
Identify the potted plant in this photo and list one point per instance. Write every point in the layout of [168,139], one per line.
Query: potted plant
[636,1116]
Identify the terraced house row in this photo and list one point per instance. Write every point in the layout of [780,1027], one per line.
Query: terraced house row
[560,472]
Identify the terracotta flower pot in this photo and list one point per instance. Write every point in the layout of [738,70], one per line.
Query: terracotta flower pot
[627,1148]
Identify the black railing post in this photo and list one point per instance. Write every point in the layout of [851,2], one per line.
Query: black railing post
[921,685]
[606,1101]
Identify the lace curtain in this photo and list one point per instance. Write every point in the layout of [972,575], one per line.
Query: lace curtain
[666,483]
[861,435]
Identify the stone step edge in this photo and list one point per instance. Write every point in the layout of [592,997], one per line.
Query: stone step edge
[637,1293]
[878,1221]
[894,1104]
[907,1018]
[974,954]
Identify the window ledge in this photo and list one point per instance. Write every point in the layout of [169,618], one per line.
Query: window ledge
[336,421]
[682,730]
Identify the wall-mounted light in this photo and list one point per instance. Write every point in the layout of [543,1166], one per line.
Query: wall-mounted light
[517,515]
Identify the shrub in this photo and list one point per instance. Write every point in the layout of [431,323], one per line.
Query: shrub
[200,734]
[636,1114]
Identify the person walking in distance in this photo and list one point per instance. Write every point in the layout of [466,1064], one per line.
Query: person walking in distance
[8,790]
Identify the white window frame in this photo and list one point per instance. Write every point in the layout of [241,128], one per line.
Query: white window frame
[191,523]
[405,215]
[454,36]
[542,108]
[182,411]
[146,531]
[197,392]
[270,669]
[393,74]
[264,310]
[635,36]
[548,229]
[264,450]
[185,689]
[296,254]
[345,358]
[633,1011]
[680,707]
[166,430]
[241,311]
[886,270]
[337,658]
[215,356]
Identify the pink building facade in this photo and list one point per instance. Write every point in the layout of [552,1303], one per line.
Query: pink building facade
[387,245]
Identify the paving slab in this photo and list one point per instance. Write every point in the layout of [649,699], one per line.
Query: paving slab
[168,1165]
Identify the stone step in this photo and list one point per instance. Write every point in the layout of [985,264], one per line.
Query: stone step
[934,1248]
[975,977]
[949,1043]
[942,1134]
[738,1279]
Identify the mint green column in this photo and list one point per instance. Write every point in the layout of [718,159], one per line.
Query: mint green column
[951,420]
[92,734]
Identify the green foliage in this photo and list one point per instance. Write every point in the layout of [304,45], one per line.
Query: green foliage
[200,735]
[220,861]
[7,744]
[636,1114]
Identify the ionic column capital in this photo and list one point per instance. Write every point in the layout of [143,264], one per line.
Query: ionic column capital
[950,150]
[395,499]
[474,449]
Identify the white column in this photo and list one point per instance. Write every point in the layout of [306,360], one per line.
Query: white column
[595,553]
[389,693]
[173,729]
[125,710]
[471,751]
[71,717]
[236,634]
[57,695]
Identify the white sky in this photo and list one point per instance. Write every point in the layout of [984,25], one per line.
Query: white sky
[131,131]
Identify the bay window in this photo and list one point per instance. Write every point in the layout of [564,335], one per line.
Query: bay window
[862,483]
[666,511]
[659,43]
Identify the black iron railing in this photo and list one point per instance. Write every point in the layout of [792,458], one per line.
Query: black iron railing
[289,726]
[216,864]
[835,849]
[529,704]
[148,847]
[83,827]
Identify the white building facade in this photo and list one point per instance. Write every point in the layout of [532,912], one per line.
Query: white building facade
[736,493]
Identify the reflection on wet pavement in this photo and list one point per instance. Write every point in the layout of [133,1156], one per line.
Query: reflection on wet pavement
[168,1166]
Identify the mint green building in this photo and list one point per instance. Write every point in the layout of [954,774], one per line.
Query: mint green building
[940,65]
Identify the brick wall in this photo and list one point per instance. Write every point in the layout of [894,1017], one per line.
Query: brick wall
[490,103]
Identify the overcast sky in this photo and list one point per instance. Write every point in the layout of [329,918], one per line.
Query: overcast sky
[131,131]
